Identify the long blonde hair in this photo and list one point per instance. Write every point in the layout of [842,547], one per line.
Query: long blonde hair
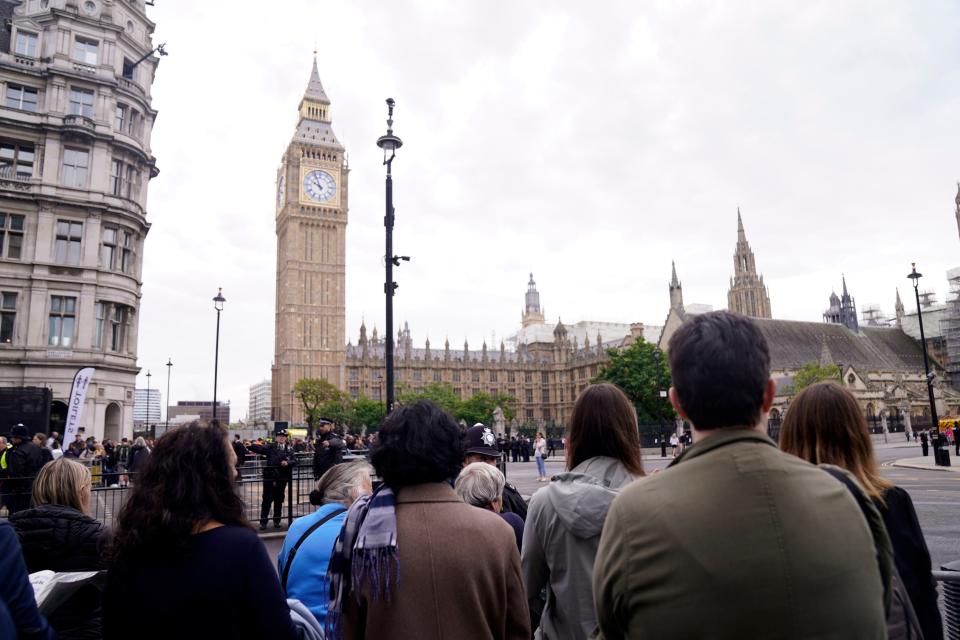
[825,425]
[63,482]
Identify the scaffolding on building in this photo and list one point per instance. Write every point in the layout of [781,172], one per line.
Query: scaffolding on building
[953,328]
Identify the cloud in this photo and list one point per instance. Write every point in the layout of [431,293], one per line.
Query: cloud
[588,146]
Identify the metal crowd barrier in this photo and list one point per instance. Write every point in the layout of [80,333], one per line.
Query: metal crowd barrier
[949,576]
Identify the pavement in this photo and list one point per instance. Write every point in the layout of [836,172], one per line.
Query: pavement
[927,464]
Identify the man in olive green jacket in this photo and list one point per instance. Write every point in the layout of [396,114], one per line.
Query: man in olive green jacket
[736,539]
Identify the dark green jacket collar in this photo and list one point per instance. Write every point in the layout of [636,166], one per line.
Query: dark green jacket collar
[721,438]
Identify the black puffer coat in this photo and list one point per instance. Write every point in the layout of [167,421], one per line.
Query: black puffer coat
[58,538]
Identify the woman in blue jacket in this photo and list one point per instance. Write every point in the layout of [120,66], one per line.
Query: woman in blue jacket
[306,551]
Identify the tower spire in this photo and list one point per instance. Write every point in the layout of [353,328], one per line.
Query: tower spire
[676,290]
[748,295]
[315,90]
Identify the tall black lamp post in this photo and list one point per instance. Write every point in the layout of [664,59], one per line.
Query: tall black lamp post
[913,275]
[166,425]
[218,305]
[389,143]
[147,419]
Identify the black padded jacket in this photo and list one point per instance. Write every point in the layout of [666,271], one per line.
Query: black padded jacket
[57,538]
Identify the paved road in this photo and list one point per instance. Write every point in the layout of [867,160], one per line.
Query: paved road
[936,495]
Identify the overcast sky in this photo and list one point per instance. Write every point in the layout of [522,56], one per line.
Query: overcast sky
[589,143]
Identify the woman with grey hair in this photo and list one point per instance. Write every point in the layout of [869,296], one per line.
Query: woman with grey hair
[481,485]
[306,551]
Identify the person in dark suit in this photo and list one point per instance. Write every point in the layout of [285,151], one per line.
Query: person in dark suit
[329,448]
[24,460]
[277,474]
[240,451]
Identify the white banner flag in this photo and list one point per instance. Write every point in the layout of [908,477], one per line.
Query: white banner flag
[78,395]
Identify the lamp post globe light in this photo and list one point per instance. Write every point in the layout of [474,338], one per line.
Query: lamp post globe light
[166,426]
[389,143]
[934,420]
[218,305]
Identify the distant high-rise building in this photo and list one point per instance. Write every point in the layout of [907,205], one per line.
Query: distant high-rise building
[75,162]
[842,310]
[146,407]
[748,294]
[259,411]
[203,409]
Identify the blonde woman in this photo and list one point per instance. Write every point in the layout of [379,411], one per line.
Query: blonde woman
[57,535]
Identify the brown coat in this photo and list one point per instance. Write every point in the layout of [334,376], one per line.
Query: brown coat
[459,575]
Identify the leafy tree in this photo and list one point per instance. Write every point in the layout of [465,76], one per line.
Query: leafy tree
[339,410]
[642,371]
[812,373]
[315,394]
[367,413]
[440,393]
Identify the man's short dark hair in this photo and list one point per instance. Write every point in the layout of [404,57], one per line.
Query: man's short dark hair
[418,443]
[720,365]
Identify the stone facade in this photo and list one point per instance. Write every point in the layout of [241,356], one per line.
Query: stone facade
[311,225]
[881,366]
[75,162]
[748,295]
[546,371]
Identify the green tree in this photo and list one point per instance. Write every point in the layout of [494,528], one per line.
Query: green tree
[642,371]
[367,413]
[477,408]
[440,393]
[315,394]
[812,373]
[507,404]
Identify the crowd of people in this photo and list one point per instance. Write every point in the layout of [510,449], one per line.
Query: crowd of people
[740,537]
[22,457]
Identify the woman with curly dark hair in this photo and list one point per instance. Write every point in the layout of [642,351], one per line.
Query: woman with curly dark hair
[184,551]
[413,560]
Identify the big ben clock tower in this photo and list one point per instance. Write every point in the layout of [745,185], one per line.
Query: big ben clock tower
[311,222]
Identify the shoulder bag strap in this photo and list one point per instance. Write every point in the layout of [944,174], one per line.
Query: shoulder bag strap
[293,550]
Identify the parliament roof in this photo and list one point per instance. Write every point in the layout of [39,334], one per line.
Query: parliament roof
[793,344]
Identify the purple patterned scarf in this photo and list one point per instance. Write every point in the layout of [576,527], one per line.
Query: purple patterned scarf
[365,551]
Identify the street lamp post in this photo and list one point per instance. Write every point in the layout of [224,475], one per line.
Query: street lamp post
[913,275]
[218,305]
[389,143]
[147,420]
[166,426]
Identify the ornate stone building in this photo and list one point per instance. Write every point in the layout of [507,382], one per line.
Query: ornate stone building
[748,295]
[842,310]
[75,162]
[546,371]
[881,366]
[311,227]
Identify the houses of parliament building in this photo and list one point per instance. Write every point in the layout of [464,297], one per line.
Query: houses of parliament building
[546,366]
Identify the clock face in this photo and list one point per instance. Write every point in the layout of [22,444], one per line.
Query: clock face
[319,186]
[281,192]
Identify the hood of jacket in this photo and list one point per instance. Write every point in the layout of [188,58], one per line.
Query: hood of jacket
[582,496]
[59,538]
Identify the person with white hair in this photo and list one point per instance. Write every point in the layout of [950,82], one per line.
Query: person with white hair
[306,551]
[481,485]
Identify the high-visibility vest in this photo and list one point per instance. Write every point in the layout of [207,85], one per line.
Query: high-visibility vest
[3,458]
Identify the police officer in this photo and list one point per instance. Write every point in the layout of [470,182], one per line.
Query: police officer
[480,446]
[23,460]
[277,474]
[328,449]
